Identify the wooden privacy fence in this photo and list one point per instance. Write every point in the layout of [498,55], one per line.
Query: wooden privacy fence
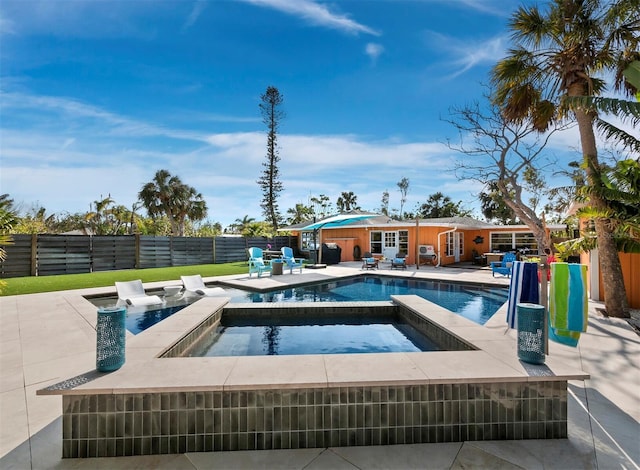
[44,255]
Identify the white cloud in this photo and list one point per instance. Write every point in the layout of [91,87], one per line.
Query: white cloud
[316,13]
[40,110]
[373,50]
[67,143]
[102,152]
[6,25]
[464,54]
[98,152]
[495,7]
[198,8]
[491,7]
[88,19]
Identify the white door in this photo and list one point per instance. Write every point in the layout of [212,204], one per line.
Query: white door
[390,245]
[457,246]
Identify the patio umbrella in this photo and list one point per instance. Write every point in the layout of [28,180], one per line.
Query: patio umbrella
[336,221]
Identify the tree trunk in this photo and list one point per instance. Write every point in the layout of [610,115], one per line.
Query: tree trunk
[615,296]
[524,214]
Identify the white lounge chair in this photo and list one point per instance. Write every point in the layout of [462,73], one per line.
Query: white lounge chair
[132,292]
[196,285]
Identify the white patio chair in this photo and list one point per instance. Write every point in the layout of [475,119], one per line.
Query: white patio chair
[132,292]
[196,285]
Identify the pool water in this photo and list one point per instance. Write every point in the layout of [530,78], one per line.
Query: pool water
[476,303]
[248,337]
[139,319]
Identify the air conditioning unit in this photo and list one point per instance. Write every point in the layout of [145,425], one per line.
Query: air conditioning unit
[426,250]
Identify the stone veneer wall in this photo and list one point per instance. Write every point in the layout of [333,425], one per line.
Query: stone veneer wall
[187,342]
[443,338]
[178,422]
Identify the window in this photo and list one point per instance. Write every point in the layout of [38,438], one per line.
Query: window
[403,241]
[306,243]
[501,241]
[376,242]
[508,241]
[525,242]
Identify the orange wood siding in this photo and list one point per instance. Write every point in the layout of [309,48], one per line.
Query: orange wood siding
[630,263]
[348,238]
[631,272]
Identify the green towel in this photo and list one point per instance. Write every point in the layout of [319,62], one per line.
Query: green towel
[568,307]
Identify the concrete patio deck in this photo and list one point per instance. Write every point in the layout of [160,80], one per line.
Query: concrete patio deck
[47,338]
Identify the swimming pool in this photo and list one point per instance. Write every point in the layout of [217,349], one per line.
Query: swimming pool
[474,302]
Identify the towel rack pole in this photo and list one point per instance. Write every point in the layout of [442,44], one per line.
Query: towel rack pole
[544,299]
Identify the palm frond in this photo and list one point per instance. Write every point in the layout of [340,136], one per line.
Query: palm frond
[632,73]
[529,26]
[576,246]
[622,108]
[611,132]
[628,245]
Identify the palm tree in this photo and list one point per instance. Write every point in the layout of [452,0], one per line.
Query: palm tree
[627,111]
[8,217]
[439,205]
[240,224]
[167,195]
[97,219]
[619,187]
[299,213]
[347,201]
[8,214]
[561,52]
[257,229]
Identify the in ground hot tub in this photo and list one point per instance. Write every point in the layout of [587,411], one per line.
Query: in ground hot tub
[160,402]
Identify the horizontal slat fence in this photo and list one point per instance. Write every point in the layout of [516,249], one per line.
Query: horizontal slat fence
[186,251]
[114,252]
[154,252]
[60,254]
[18,261]
[44,255]
[230,249]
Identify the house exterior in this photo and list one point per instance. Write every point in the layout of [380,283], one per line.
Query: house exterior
[453,239]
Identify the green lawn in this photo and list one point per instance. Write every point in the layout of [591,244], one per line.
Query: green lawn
[35,284]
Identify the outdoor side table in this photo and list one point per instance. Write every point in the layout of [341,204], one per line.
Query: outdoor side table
[276,267]
[110,338]
[531,341]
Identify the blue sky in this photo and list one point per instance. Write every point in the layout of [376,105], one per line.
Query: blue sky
[96,96]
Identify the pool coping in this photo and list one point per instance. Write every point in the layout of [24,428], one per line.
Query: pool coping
[144,372]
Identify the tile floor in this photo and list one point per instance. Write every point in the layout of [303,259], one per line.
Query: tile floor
[47,338]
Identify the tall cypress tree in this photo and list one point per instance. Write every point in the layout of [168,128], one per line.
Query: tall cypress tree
[269,181]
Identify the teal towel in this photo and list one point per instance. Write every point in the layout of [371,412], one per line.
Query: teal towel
[568,307]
